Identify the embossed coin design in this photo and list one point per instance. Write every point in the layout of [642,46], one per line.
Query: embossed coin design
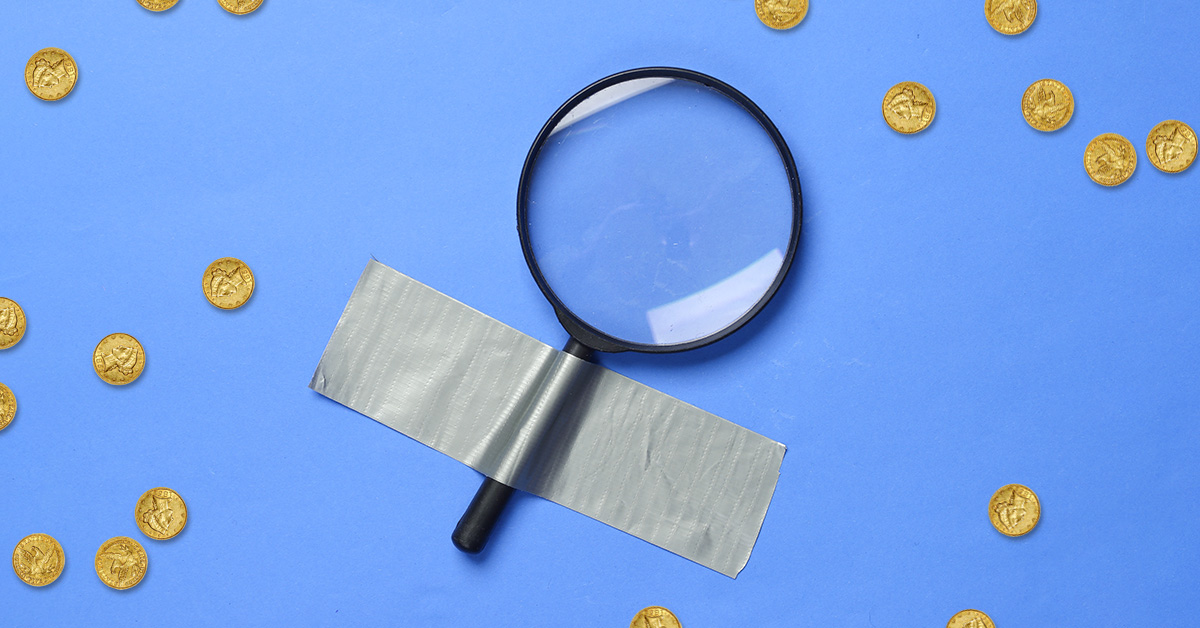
[121,562]
[240,7]
[12,323]
[51,73]
[781,14]
[908,107]
[39,560]
[8,406]
[654,617]
[1011,17]
[157,5]
[228,283]
[1110,159]
[119,359]
[1014,510]
[970,618]
[1171,146]
[160,513]
[1048,105]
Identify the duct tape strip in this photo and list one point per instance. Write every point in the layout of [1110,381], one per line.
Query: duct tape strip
[546,422]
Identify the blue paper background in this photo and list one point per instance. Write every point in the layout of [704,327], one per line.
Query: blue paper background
[968,310]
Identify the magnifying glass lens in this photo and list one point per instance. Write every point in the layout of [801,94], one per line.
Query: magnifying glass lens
[659,212]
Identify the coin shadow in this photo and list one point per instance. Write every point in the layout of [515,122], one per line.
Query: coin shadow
[159,15]
[239,310]
[1024,538]
[917,135]
[59,102]
[1118,188]
[808,13]
[182,532]
[1064,127]
[932,124]
[16,348]
[1040,133]
[140,583]
[251,15]
[1032,27]
[1149,164]
[134,383]
[1021,35]
[133,588]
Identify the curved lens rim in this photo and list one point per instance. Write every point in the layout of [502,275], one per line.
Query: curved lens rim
[577,327]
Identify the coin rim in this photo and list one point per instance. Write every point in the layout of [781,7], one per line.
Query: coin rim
[11,394]
[23,326]
[1150,151]
[169,3]
[73,82]
[61,565]
[1025,113]
[204,283]
[668,611]
[138,520]
[782,26]
[1088,150]
[987,16]
[250,10]
[887,97]
[140,348]
[971,610]
[145,559]
[1037,516]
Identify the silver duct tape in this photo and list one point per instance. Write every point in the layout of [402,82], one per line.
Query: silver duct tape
[546,422]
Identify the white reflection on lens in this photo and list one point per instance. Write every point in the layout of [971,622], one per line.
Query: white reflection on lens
[703,313]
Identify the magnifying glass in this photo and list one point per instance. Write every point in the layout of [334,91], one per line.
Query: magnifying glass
[659,211]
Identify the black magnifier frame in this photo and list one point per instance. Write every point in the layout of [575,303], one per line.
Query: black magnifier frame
[588,335]
[476,524]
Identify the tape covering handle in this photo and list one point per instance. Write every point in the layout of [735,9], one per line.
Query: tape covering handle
[475,527]
[487,395]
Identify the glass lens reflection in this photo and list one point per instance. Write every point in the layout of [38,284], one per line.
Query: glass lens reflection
[659,211]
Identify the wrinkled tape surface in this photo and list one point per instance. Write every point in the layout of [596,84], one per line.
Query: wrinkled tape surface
[546,422]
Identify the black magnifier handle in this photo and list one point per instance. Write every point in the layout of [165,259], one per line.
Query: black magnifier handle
[472,532]
[475,527]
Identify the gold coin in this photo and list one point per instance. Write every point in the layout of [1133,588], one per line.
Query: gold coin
[240,7]
[121,562]
[1171,146]
[970,618]
[908,107]
[654,617]
[160,513]
[51,73]
[1010,17]
[228,283]
[781,14]
[119,359]
[8,406]
[39,560]
[1048,105]
[1014,510]
[1110,159]
[157,5]
[12,323]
